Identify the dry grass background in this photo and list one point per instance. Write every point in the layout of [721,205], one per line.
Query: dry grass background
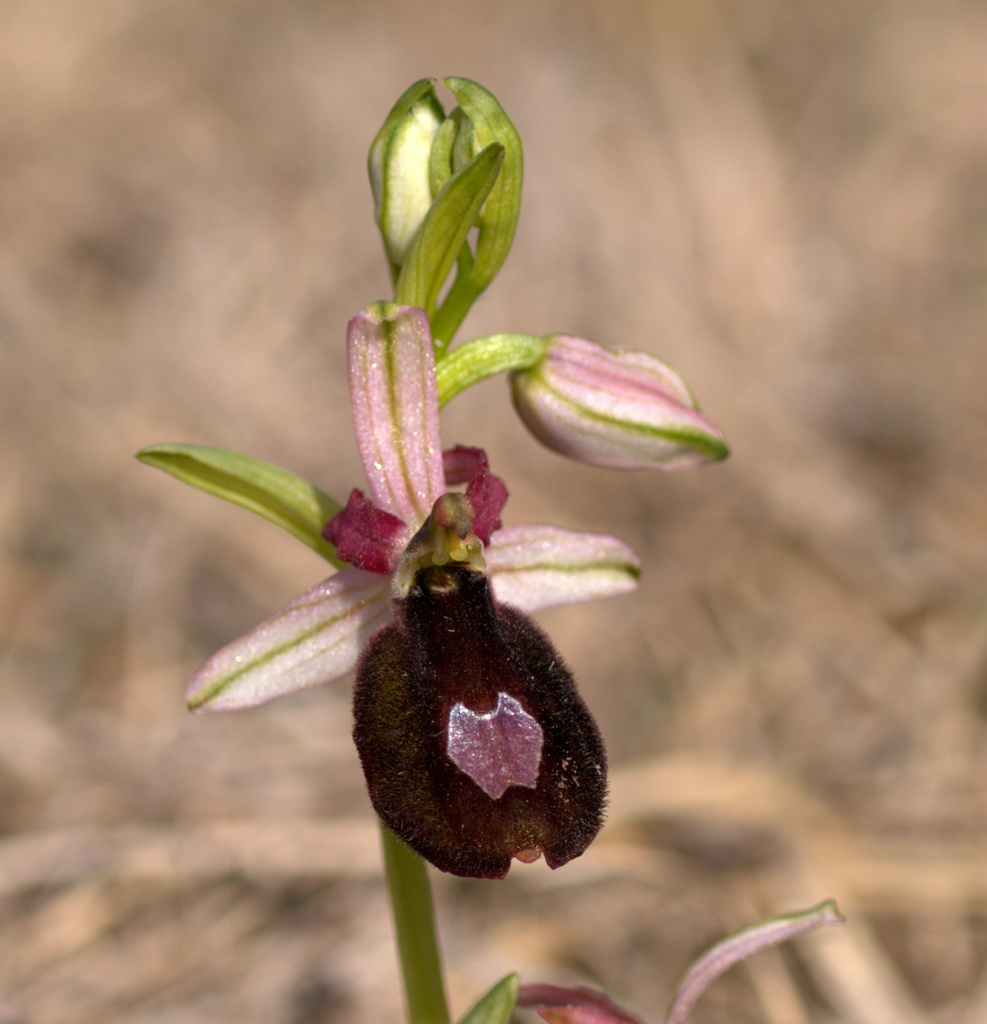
[785,200]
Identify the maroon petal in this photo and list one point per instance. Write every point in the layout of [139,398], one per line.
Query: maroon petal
[364,535]
[461,464]
[486,493]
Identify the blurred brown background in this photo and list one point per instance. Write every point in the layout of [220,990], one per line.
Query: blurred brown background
[784,200]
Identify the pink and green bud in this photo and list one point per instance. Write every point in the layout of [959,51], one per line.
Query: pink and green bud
[613,408]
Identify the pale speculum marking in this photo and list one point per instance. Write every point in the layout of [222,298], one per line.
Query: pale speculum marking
[496,749]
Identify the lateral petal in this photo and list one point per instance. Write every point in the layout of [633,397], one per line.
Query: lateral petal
[535,566]
[487,493]
[366,536]
[314,639]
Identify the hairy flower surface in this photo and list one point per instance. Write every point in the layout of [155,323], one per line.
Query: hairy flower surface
[475,744]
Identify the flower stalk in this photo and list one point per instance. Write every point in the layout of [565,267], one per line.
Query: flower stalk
[414,928]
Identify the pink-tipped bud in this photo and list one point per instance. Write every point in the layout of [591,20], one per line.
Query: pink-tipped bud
[620,410]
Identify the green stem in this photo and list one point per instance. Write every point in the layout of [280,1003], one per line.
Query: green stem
[461,296]
[414,926]
[483,357]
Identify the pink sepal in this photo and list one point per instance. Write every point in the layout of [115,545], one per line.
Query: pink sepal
[395,408]
[534,566]
[313,640]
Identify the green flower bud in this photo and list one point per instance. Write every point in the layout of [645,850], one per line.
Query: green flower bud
[434,179]
[399,168]
[477,123]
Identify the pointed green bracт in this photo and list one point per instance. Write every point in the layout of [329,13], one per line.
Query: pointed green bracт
[497,1005]
[435,247]
[276,494]
[484,123]
[499,216]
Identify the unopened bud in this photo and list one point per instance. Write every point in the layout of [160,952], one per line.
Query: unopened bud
[399,167]
[620,410]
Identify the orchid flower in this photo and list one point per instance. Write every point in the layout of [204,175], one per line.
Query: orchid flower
[408,524]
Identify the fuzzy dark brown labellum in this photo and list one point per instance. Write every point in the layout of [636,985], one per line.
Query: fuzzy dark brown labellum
[474,742]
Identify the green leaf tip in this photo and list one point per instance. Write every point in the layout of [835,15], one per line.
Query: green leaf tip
[497,1005]
[276,494]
